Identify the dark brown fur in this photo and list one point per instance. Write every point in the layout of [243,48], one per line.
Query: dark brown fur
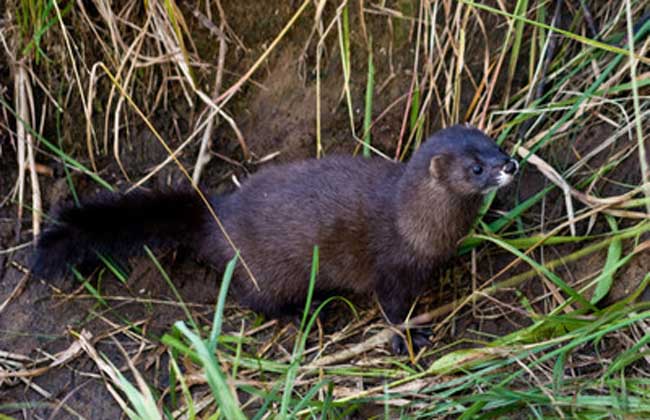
[371,236]
[381,226]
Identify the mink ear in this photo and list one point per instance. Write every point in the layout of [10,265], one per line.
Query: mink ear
[438,166]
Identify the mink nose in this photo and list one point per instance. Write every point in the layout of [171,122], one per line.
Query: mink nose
[511,167]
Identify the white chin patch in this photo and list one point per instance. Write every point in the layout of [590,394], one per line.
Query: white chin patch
[503,179]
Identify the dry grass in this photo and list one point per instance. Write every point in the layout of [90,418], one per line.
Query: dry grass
[560,270]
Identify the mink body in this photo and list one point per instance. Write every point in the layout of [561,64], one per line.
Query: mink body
[381,226]
[347,206]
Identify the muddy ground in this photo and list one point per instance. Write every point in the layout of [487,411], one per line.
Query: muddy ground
[276,113]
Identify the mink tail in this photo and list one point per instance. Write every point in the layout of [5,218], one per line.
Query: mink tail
[119,226]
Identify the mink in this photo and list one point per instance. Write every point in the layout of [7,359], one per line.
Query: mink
[381,226]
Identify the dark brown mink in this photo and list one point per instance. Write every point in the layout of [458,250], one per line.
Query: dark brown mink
[381,226]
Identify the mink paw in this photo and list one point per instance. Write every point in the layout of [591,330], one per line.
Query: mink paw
[419,340]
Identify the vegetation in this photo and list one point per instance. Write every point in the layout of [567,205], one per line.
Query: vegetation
[545,313]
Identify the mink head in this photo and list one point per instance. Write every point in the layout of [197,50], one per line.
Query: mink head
[465,161]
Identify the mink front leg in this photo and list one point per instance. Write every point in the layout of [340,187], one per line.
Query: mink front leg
[396,291]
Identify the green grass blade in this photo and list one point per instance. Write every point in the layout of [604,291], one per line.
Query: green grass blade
[605,280]
[169,282]
[520,11]
[300,340]
[367,115]
[221,302]
[141,399]
[215,377]
[189,401]
[549,274]
[576,37]
[54,149]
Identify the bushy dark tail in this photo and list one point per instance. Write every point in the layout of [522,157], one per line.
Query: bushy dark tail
[119,226]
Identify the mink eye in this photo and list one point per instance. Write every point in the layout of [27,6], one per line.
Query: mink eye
[477,169]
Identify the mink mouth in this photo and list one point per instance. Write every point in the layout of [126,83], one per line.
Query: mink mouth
[502,178]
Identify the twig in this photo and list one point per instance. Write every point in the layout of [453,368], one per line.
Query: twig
[25,111]
[204,150]
[17,291]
